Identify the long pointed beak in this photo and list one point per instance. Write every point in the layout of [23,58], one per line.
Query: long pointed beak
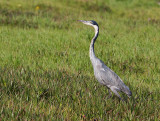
[82,21]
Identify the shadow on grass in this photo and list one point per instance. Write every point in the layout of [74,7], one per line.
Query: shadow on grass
[32,19]
[17,18]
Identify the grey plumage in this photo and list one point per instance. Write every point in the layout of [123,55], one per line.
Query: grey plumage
[103,74]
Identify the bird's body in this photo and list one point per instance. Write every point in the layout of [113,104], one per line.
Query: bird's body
[103,74]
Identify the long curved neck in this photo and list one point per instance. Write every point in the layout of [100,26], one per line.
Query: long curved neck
[91,51]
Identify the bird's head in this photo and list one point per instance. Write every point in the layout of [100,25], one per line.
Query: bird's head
[91,22]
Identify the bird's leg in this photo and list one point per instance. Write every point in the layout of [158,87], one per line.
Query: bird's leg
[116,93]
[110,94]
[97,87]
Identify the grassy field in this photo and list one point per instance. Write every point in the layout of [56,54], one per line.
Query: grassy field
[45,70]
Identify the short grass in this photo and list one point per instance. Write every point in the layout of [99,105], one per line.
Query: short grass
[45,71]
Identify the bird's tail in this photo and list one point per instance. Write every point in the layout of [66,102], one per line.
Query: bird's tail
[127,91]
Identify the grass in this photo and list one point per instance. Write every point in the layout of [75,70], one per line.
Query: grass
[45,71]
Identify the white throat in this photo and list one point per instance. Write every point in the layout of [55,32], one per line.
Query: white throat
[91,51]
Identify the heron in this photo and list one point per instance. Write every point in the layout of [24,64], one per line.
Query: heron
[102,73]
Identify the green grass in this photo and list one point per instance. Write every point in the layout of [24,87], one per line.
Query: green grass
[45,70]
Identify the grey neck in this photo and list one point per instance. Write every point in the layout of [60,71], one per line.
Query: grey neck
[91,52]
